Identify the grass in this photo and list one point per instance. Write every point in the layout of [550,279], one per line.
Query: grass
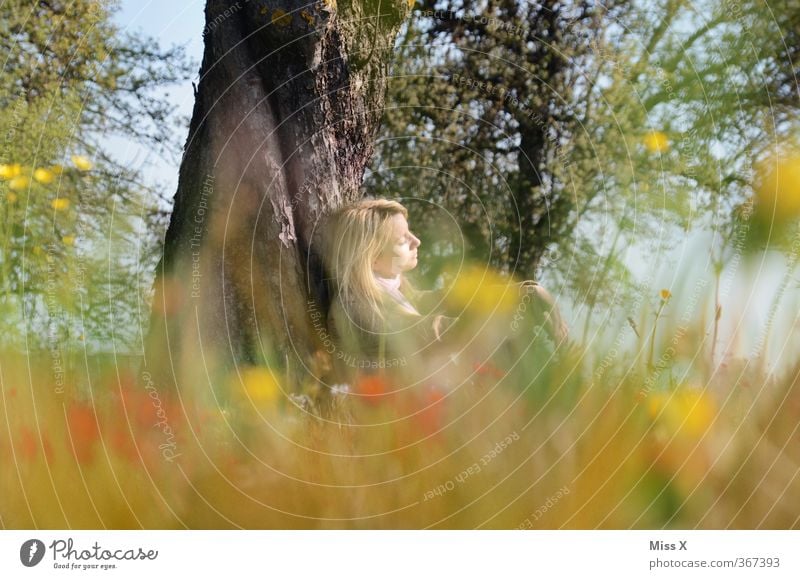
[584,440]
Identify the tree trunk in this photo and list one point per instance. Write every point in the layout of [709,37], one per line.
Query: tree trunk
[288,104]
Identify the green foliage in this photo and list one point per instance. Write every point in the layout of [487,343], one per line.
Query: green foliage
[540,125]
[485,119]
[72,219]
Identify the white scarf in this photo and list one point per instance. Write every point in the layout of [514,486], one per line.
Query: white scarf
[392,287]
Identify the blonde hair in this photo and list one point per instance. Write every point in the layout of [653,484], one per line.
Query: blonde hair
[357,235]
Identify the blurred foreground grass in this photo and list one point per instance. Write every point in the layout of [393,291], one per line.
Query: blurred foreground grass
[578,441]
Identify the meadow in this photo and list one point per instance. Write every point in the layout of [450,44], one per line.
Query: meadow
[535,437]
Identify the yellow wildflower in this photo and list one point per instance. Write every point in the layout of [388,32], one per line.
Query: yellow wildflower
[260,384]
[686,411]
[68,240]
[60,204]
[11,197]
[483,291]
[10,171]
[57,169]
[778,184]
[665,294]
[656,142]
[81,163]
[19,183]
[43,176]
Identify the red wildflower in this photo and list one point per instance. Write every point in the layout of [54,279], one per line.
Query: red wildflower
[138,407]
[432,405]
[28,444]
[372,388]
[83,431]
[123,444]
[488,369]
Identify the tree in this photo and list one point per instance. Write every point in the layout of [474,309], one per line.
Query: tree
[289,100]
[494,94]
[589,128]
[70,81]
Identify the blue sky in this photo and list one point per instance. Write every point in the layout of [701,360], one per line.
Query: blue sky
[175,22]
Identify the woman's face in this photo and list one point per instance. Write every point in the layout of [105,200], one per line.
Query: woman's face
[401,254]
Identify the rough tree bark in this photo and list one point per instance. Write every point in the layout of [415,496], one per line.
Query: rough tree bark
[288,104]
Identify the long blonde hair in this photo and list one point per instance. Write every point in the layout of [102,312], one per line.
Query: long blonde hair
[356,236]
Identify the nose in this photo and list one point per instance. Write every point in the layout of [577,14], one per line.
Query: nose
[414,241]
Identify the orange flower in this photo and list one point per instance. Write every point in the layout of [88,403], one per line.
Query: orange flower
[28,444]
[431,417]
[665,294]
[83,432]
[372,388]
[488,369]
[136,405]
[123,444]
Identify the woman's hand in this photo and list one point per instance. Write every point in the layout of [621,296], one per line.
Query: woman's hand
[529,287]
[556,325]
[440,325]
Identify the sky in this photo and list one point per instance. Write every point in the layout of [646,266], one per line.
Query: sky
[178,22]
[748,287]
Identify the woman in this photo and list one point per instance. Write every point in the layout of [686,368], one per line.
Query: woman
[378,319]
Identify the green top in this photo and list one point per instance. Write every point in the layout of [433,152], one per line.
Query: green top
[368,343]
